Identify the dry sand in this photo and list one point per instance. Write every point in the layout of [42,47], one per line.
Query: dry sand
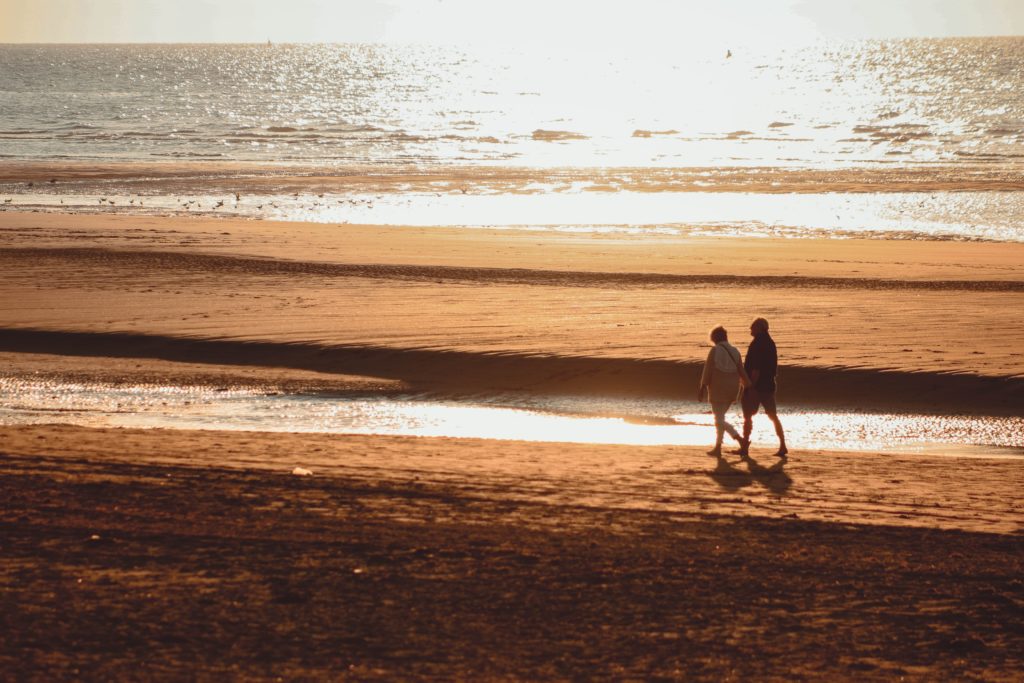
[448,558]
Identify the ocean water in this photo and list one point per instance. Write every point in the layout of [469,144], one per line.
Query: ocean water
[896,107]
[824,105]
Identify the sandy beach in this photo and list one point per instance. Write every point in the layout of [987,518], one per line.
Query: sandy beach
[131,554]
[152,552]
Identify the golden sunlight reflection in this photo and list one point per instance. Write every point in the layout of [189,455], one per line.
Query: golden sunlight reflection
[823,105]
[552,419]
[900,215]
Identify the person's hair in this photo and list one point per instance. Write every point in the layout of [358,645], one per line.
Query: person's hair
[718,334]
[761,323]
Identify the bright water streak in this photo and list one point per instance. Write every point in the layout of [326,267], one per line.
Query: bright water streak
[821,105]
[991,216]
[558,419]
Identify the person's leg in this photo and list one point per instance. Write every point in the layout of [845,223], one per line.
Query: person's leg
[718,409]
[770,410]
[727,426]
[749,403]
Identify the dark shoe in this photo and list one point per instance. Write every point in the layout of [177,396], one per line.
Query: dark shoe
[782,452]
[715,452]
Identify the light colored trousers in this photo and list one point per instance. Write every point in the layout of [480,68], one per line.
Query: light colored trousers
[721,426]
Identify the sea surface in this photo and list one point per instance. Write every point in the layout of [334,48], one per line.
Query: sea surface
[898,106]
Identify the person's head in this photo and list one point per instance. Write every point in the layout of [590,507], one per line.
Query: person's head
[718,334]
[759,326]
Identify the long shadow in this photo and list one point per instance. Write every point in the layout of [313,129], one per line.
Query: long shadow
[443,371]
[730,478]
[773,478]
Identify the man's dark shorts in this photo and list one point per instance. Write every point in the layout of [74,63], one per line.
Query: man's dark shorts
[754,399]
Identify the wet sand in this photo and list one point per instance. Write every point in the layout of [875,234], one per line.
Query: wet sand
[870,324]
[444,558]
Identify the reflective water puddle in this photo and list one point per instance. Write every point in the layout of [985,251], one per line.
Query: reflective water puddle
[554,419]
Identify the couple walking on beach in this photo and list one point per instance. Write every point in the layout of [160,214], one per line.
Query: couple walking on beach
[724,374]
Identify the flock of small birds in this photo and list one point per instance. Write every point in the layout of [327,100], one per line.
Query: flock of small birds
[189,204]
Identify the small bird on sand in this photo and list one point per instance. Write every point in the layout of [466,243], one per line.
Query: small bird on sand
[238,197]
[219,204]
[8,201]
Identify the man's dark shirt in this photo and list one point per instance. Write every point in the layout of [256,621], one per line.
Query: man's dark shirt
[762,355]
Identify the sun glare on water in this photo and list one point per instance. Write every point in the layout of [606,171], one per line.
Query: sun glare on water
[552,419]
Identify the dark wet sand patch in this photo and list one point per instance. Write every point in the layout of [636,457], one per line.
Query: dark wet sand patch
[442,371]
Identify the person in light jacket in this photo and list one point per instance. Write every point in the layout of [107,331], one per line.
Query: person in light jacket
[723,372]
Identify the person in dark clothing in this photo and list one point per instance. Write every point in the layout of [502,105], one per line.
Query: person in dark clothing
[761,364]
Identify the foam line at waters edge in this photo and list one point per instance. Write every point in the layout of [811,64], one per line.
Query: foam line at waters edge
[449,372]
[517,276]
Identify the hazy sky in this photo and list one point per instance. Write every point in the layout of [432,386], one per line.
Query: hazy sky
[594,23]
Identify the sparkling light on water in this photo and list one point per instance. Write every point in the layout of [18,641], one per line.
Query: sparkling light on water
[993,216]
[558,419]
[821,105]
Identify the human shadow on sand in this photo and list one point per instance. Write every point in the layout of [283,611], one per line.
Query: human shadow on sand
[733,478]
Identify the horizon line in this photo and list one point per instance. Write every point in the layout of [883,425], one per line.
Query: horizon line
[819,39]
